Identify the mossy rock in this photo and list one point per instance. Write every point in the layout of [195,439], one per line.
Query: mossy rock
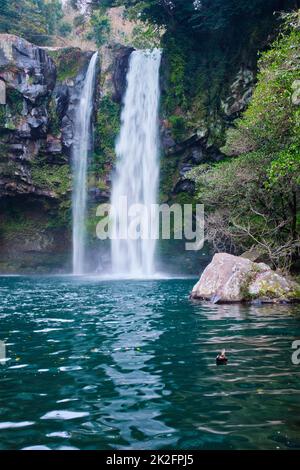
[69,62]
[4,152]
[54,121]
[15,101]
[11,113]
[55,178]
[2,115]
[106,131]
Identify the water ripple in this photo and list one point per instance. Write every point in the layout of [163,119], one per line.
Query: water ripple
[134,363]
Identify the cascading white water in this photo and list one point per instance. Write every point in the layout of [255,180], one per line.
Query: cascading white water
[137,172]
[82,140]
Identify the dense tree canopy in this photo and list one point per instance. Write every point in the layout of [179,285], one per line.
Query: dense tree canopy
[23,18]
[35,20]
[200,14]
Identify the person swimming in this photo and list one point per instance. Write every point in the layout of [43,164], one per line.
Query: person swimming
[221,358]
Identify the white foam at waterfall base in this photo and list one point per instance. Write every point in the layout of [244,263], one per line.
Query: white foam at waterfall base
[137,171]
[82,139]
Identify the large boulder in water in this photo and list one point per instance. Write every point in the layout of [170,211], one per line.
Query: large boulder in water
[230,279]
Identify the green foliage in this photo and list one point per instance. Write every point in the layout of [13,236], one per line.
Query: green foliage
[101,27]
[23,18]
[286,166]
[11,113]
[107,129]
[272,119]
[169,175]
[177,68]
[209,16]
[14,101]
[242,211]
[2,115]
[178,124]
[52,11]
[65,29]
[17,223]
[204,45]
[222,15]
[35,20]
[56,178]
[62,218]
[54,122]
[146,36]
[253,198]
[68,61]
[79,20]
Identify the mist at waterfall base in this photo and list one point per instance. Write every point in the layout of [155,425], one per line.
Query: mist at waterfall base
[137,172]
[136,177]
[127,365]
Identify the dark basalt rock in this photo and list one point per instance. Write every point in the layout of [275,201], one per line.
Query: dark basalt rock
[197,155]
[100,195]
[36,137]
[184,186]
[26,68]
[67,96]
[62,99]
[240,93]
[120,69]
[38,121]
[29,75]
[167,140]
[53,146]
[181,147]
[27,119]
[185,169]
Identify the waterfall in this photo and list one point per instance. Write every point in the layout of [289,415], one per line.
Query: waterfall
[137,171]
[82,140]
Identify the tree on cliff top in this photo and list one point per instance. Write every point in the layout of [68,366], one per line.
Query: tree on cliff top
[35,20]
[100,27]
[200,14]
[22,18]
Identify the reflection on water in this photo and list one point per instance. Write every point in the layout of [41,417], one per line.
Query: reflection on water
[131,364]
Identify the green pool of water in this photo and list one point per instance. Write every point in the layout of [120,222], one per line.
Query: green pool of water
[97,364]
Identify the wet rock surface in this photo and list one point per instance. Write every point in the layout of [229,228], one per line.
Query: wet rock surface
[36,124]
[40,91]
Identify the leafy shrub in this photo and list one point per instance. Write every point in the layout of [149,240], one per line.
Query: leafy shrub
[252,198]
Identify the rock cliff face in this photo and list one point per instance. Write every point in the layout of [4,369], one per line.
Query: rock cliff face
[114,68]
[203,92]
[40,89]
[40,92]
[39,95]
[29,76]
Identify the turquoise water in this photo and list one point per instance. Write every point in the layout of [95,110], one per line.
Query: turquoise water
[131,365]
